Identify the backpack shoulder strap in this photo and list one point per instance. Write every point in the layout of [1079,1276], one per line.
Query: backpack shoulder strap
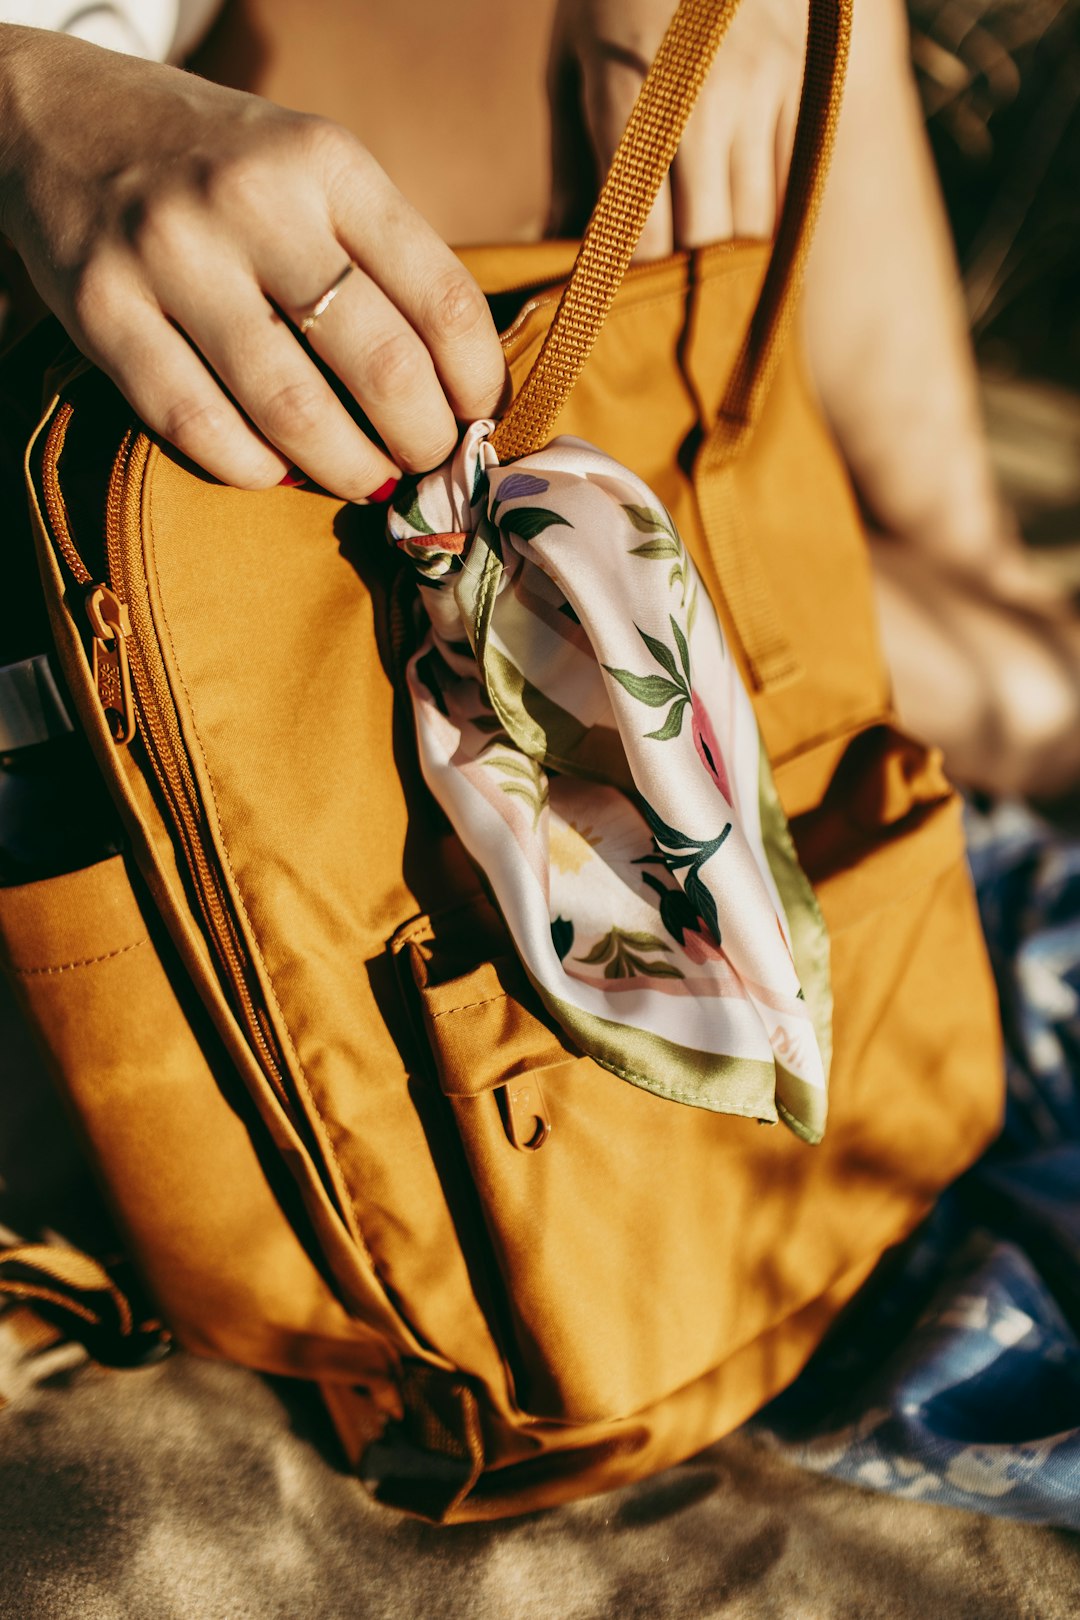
[69,1290]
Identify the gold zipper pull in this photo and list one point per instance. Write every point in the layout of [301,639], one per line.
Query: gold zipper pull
[111,626]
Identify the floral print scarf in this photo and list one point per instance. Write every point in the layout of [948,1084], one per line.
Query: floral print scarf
[585,729]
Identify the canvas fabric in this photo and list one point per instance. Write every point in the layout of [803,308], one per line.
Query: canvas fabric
[302,1048]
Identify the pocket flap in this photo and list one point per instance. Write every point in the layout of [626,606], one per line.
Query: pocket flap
[480,1029]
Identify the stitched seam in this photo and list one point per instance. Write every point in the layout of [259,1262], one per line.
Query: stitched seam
[419,934]
[83,961]
[422,927]
[467,1006]
[298,1066]
[843,728]
[660,1089]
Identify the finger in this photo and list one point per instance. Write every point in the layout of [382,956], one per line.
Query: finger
[170,389]
[418,275]
[752,170]
[387,368]
[701,188]
[785,146]
[701,173]
[612,83]
[275,383]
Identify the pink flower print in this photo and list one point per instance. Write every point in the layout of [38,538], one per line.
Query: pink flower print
[434,554]
[707,746]
[700,946]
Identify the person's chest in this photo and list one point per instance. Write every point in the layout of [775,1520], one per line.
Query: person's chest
[449,97]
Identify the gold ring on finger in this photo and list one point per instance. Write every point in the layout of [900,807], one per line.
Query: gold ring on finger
[322,304]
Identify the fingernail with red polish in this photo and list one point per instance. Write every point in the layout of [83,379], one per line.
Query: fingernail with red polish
[384,491]
[292,479]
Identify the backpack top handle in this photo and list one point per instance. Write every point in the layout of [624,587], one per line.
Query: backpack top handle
[639,167]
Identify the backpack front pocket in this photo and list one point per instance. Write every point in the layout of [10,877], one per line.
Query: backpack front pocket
[614,1220]
[637,1243]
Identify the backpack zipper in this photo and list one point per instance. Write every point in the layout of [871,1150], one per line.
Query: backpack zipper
[132,687]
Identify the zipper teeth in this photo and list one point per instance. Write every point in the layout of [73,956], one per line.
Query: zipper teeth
[55,508]
[165,748]
[162,740]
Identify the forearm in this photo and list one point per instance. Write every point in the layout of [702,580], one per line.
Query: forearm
[24,54]
[886,326]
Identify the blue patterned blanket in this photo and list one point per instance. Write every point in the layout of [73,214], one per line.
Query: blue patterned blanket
[955,1379]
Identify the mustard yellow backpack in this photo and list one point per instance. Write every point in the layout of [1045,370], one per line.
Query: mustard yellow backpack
[290,1022]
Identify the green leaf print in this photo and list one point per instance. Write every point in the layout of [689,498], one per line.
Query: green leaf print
[676,912]
[656,970]
[647,520]
[657,549]
[529,521]
[657,690]
[663,655]
[682,853]
[678,577]
[673,724]
[600,951]
[701,900]
[663,544]
[684,650]
[619,950]
[651,689]
[665,834]
[407,505]
[642,941]
[527,779]
[521,791]
[514,765]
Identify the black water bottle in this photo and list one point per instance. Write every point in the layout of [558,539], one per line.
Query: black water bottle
[55,814]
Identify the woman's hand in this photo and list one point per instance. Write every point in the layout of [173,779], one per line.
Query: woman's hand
[177,228]
[729,174]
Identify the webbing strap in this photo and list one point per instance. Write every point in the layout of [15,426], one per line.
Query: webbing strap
[770,658]
[72,1291]
[827,47]
[638,169]
[641,162]
[640,165]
